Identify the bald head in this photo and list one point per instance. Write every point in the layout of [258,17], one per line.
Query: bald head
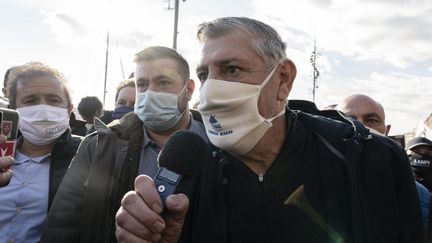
[366,110]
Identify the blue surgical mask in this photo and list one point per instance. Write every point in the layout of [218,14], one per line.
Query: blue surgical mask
[120,111]
[158,110]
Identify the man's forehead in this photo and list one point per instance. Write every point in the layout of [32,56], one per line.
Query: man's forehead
[158,67]
[235,46]
[41,80]
[44,85]
[361,107]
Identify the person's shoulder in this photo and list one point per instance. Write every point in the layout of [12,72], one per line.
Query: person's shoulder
[383,143]
[124,127]
[76,139]
[329,121]
[330,127]
[196,115]
[422,190]
[107,116]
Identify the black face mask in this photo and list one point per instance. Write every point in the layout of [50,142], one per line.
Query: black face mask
[421,163]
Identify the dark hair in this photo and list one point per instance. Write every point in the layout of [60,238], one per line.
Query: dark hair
[123,84]
[89,106]
[158,52]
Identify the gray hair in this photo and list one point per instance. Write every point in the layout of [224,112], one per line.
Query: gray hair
[265,40]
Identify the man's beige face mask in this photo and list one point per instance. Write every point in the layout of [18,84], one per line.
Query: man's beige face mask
[230,114]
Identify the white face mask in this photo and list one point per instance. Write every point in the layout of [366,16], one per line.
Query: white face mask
[42,124]
[230,114]
[158,110]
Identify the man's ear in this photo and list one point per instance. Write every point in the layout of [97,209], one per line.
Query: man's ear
[5,92]
[387,129]
[70,109]
[287,73]
[190,87]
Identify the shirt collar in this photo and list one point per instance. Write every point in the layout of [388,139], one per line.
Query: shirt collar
[146,139]
[21,158]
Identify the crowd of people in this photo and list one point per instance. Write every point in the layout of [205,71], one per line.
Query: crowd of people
[277,170]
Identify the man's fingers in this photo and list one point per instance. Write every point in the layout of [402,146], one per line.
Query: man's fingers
[5,177]
[177,206]
[145,187]
[139,218]
[142,214]
[5,171]
[127,225]
[6,162]
[123,236]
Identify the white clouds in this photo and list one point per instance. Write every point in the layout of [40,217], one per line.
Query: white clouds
[366,30]
[372,47]
[88,21]
[406,98]
[377,47]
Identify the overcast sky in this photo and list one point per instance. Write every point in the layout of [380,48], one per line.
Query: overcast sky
[381,48]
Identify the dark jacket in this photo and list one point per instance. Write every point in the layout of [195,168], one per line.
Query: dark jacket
[360,190]
[103,170]
[377,204]
[63,152]
[92,180]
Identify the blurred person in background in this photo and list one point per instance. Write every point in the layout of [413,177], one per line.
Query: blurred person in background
[419,151]
[371,114]
[365,110]
[124,101]
[4,99]
[89,108]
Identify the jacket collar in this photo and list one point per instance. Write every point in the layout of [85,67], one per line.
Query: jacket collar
[123,127]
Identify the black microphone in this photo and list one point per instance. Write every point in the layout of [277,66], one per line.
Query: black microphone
[181,156]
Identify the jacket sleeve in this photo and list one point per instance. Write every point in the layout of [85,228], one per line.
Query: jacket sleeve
[391,207]
[65,216]
[411,226]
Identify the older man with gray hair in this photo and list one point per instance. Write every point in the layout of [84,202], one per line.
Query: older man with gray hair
[274,174]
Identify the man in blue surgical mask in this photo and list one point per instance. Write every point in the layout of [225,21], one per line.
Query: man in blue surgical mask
[275,174]
[108,161]
[124,101]
[43,151]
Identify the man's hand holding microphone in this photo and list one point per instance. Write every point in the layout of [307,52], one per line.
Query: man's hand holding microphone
[154,212]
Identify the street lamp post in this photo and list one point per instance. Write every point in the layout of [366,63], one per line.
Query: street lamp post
[176,15]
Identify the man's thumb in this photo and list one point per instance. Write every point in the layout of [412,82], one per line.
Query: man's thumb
[177,206]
